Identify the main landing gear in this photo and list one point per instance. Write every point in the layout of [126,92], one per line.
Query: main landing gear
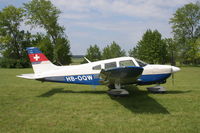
[156,89]
[117,91]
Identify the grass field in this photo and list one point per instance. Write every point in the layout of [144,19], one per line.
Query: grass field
[28,106]
[76,61]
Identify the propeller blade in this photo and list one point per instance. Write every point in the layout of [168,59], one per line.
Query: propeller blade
[173,79]
[172,76]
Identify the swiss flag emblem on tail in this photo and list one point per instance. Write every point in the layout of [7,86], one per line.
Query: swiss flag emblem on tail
[35,55]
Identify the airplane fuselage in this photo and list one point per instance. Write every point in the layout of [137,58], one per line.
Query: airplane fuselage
[89,73]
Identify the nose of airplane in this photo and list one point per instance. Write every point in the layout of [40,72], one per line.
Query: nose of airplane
[175,69]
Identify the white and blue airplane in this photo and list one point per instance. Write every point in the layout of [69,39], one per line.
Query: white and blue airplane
[111,72]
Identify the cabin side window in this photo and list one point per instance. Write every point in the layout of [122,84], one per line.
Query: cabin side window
[126,63]
[98,67]
[110,65]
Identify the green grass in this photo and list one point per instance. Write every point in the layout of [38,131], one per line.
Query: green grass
[28,106]
[76,61]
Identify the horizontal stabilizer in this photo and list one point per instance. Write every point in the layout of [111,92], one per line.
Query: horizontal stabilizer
[30,76]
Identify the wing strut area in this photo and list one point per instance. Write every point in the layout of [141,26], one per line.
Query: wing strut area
[121,75]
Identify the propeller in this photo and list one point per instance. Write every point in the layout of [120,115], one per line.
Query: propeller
[172,76]
[173,70]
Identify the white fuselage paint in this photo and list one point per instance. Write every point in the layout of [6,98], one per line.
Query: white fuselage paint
[85,69]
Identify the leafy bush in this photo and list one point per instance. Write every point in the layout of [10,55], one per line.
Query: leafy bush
[13,63]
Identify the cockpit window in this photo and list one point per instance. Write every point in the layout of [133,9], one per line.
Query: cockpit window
[110,65]
[98,67]
[126,63]
[141,63]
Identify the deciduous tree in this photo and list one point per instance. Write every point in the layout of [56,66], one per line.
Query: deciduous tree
[151,48]
[113,51]
[186,28]
[42,13]
[13,41]
[93,53]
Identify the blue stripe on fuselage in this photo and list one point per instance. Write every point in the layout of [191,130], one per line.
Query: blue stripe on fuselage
[94,79]
[153,78]
[89,79]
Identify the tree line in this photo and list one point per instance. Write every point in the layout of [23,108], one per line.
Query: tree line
[14,40]
[183,47]
[110,51]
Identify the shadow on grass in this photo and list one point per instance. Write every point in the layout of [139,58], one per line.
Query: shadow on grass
[138,101]
[177,92]
[61,90]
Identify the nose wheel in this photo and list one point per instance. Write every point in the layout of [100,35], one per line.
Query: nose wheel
[118,91]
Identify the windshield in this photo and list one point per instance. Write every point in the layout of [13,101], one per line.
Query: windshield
[141,63]
[126,63]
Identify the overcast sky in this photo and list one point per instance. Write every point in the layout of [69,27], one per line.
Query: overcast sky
[100,22]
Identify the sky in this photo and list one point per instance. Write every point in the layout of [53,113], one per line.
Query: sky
[89,22]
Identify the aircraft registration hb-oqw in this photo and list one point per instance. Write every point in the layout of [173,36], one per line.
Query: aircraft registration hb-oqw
[111,72]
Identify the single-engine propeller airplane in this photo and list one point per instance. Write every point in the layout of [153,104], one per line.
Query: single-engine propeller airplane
[111,72]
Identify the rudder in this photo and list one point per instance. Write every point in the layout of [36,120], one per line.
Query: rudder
[39,61]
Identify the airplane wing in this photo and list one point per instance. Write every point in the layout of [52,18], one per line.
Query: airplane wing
[30,76]
[122,75]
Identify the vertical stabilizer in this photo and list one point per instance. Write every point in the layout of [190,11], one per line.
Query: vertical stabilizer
[39,61]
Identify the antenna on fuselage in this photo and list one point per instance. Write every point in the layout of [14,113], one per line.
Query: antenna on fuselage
[87,60]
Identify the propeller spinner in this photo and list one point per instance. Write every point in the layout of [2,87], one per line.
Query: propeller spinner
[173,70]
